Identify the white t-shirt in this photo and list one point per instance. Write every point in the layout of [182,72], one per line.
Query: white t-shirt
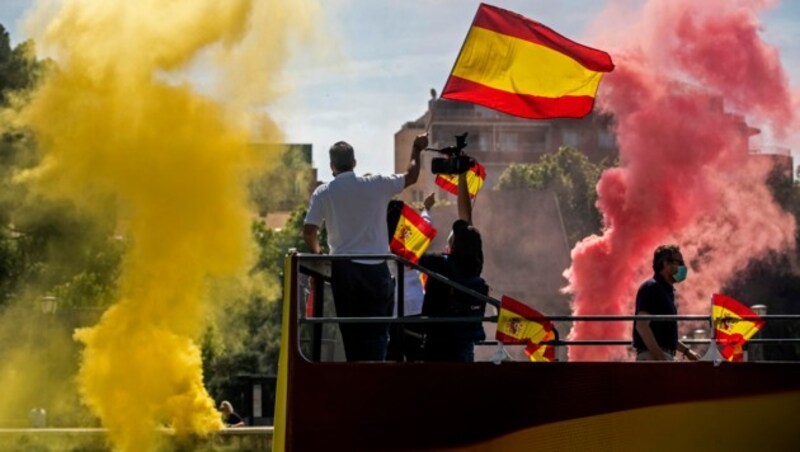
[353,209]
[413,293]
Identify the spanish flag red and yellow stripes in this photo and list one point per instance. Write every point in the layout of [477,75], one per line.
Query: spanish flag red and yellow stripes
[518,66]
[412,236]
[475,179]
[518,323]
[734,325]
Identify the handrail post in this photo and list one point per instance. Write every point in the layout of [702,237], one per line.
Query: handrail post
[756,351]
[713,354]
[401,310]
[319,304]
[401,296]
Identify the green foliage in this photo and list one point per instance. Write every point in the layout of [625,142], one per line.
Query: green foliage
[773,280]
[19,68]
[784,190]
[573,178]
[46,246]
[246,339]
[285,185]
[49,247]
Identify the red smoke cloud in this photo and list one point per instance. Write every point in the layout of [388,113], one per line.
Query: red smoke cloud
[685,175]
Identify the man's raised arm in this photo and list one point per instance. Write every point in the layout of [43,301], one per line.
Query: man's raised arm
[464,203]
[412,172]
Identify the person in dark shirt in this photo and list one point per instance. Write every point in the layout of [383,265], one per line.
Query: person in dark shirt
[229,417]
[657,340]
[463,264]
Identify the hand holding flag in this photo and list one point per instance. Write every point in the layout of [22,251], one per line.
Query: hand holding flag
[412,236]
[475,179]
[517,323]
[734,325]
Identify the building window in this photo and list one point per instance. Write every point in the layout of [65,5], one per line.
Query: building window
[483,112]
[571,138]
[521,140]
[605,139]
[508,141]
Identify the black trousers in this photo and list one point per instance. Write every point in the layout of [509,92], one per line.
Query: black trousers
[363,290]
[406,342]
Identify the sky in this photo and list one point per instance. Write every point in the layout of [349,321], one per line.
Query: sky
[381,58]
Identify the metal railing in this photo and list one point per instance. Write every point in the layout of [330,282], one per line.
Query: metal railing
[319,279]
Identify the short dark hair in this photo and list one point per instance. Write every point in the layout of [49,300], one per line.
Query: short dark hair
[663,253]
[467,249]
[342,156]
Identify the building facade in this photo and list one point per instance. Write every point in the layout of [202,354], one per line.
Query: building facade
[497,140]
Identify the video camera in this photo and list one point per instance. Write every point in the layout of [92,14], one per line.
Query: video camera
[456,161]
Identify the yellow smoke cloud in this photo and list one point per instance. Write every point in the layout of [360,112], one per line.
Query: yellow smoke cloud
[123,133]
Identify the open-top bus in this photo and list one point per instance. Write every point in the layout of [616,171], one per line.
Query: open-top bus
[324,403]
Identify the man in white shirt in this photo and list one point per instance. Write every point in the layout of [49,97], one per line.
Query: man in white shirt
[353,209]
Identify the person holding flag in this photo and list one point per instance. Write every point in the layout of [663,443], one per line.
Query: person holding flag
[734,325]
[518,323]
[410,234]
[463,264]
[476,176]
[657,340]
[353,208]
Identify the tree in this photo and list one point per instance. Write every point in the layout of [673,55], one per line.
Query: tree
[573,178]
[46,246]
[19,68]
[773,280]
[283,186]
[246,339]
[19,73]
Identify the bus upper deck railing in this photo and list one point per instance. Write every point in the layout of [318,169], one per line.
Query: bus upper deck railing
[401,264]
[313,262]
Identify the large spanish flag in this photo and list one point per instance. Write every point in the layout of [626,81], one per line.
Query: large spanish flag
[518,323]
[412,236]
[475,178]
[734,325]
[521,67]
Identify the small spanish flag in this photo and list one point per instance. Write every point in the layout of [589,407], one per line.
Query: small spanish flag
[734,325]
[412,236]
[310,297]
[518,323]
[475,178]
[520,67]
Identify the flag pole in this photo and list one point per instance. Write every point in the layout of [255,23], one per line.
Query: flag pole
[713,354]
[460,50]
[501,354]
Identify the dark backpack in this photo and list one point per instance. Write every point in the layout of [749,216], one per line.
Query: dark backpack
[462,304]
[451,302]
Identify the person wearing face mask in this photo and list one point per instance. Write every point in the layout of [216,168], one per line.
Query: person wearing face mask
[657,340]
